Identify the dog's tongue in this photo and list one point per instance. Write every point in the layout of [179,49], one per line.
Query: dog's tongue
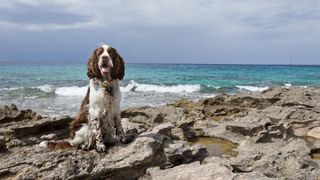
[105,69]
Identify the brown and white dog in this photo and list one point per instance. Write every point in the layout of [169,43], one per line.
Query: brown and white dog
[99,121]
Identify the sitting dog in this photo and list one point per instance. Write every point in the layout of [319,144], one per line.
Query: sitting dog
[99,120]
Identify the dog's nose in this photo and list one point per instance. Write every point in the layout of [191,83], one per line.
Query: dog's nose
[105,58]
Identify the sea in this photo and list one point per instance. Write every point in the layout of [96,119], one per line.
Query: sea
[54,90]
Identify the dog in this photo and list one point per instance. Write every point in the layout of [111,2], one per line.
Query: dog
[99,121]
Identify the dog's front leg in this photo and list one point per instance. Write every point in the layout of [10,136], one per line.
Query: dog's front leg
[97,133]
[119,129]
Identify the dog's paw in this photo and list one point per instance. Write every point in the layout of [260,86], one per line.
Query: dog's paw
[85,147]
[101,147]
[119,131]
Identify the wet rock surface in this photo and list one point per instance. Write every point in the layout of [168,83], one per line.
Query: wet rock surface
[272,134]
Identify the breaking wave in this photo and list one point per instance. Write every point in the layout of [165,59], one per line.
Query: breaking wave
[137,87]
[71,91]
[182,89]
[253,88]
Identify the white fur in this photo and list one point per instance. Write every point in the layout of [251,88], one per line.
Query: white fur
[105,53]
[82,136]
[43,144]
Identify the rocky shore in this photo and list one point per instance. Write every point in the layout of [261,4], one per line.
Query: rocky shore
[274,134]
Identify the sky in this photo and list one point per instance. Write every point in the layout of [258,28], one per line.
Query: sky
[162,31]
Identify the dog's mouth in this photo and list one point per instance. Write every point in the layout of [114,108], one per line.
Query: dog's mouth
[104,68]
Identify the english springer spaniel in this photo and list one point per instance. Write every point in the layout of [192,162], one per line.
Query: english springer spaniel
[98,122]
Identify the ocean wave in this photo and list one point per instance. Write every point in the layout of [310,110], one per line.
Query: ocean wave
[137,87]
[47,88]
[71,91]
[253,88]
[210,89]
[288,85]
[27,92]
[11,89]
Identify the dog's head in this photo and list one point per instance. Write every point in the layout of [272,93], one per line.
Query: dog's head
[106,63]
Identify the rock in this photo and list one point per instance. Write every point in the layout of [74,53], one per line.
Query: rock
[25,127]
[179,152]
[11,113]
[198,171]
[3,147]
[190,171]
[163,129]
[151,116]
[121,162]
[177,133]
[28,133]
[315,132]
[275,160]
[50,136]
[117,164]
[275,134]
[132,127]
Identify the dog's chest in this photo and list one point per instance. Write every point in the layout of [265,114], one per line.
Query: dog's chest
[101,102]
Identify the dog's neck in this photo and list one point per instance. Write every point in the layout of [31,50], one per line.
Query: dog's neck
[104,85]
[107,78]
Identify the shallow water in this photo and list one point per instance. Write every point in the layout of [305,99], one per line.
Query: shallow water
[216,146]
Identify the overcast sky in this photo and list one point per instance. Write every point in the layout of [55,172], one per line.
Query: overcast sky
[162,31]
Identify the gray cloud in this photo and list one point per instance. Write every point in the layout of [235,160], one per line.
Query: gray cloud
[227,16]
[216,31]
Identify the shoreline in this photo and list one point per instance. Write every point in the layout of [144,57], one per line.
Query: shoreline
[59,89]
[67,100]
[259,135]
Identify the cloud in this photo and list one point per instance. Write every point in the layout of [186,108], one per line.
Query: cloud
[212,29]
[222,16]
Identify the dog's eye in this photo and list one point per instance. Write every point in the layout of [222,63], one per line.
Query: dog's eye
[99,51]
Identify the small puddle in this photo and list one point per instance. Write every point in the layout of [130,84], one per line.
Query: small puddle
[216,146]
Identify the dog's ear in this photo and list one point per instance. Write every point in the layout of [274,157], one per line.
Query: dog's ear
[92,65]
[118,69]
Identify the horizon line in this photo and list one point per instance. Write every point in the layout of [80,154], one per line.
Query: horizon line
[164,63]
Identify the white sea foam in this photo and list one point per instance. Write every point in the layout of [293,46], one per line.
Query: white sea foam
[46,88]
[215,87]
[130,87]
[71,91]
[253,88]
[287,84]
[32,97]
[134,86]
[11,89]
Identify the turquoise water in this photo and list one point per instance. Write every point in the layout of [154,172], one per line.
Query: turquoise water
[225,76]
[58,89]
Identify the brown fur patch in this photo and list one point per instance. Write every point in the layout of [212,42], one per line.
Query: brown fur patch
[82,116]
[92,65]
[118,69]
